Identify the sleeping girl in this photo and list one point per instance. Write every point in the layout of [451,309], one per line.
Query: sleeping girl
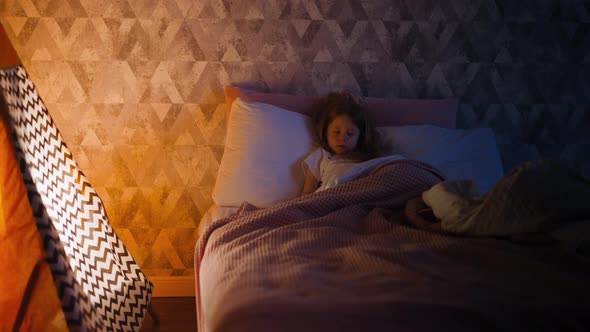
[349,144]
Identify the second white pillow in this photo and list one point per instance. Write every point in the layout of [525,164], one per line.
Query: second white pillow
[459,154]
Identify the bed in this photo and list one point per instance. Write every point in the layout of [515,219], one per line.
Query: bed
[348,259]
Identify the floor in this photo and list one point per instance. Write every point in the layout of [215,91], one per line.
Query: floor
[175,313]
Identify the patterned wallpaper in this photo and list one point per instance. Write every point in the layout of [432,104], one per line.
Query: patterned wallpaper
[136,86]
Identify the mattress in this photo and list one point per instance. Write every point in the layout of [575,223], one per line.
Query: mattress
[215,212]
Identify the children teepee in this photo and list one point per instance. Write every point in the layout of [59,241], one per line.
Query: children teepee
[62,266]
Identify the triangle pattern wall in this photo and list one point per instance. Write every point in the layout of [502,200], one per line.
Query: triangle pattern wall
[136,86]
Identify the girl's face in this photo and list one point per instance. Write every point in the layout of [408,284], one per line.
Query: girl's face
[343,134]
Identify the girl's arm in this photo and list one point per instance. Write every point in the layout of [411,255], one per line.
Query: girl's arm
[311,183]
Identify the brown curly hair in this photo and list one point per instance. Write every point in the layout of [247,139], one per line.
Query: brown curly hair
[334,104]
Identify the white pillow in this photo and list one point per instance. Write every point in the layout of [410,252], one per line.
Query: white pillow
[264,148]
[459,154]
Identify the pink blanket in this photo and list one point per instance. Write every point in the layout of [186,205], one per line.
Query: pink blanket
[343,259]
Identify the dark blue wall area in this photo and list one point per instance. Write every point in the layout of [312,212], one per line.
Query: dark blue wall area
[520,67]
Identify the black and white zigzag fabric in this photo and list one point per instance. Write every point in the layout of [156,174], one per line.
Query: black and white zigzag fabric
[100,285]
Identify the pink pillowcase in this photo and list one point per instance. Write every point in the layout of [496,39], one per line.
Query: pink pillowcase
[384,112]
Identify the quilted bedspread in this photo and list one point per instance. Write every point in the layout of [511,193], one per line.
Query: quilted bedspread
[344,259]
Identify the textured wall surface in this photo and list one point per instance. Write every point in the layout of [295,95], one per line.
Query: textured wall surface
[136,86]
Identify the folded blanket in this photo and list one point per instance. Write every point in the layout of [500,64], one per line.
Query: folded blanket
[535,198]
